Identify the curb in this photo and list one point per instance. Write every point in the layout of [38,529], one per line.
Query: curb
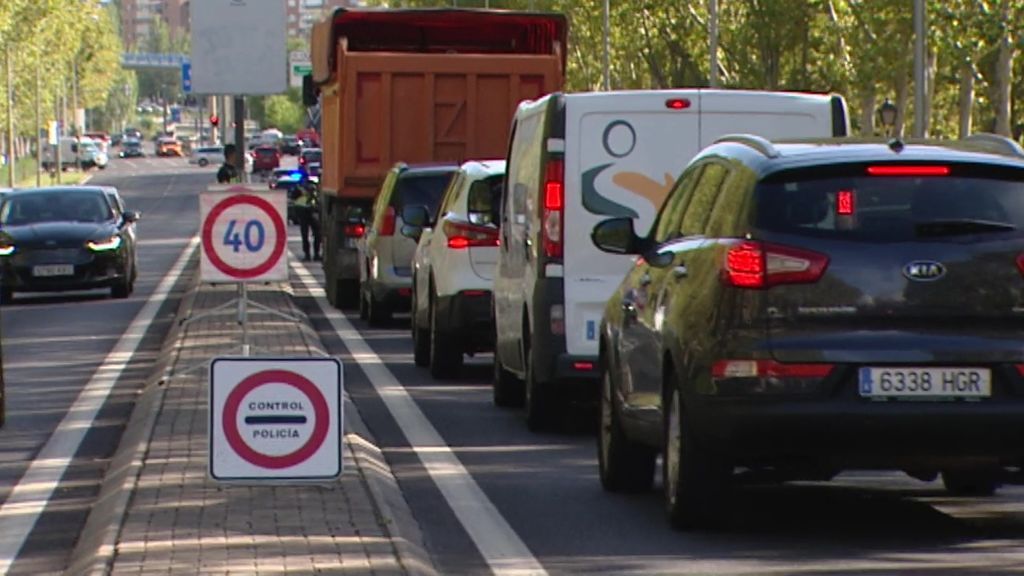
[94,552]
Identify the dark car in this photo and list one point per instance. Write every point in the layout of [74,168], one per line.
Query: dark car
[806,308]
[71,238]
[131,149]
[291,146]
[310,156]
[265,159]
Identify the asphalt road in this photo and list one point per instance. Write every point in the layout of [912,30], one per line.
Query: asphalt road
[545,486]
[54,343]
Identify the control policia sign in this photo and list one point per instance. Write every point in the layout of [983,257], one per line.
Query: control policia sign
[275,419]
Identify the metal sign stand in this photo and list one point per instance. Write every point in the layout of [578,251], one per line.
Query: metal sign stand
[241,305]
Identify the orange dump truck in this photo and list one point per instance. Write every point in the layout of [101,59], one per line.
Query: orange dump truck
[416,86]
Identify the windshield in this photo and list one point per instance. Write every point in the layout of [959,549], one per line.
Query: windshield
[891,209]
[55,206]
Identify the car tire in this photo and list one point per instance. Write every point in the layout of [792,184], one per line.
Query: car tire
[347,292]
[694,480]
[122,288]
[972,482]
[539,400]
[507,390]
[378,313]
[624,465]
[445,354]
[420,338]
[203,162]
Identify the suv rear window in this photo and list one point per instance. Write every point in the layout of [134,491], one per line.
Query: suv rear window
[484,200]
[422,190]
[891,209]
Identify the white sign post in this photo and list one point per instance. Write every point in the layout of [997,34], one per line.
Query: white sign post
[275,419]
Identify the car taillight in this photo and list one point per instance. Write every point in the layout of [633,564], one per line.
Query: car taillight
[461,235]
[722,369]
[1020,263]
[387,225]
[752,264]
[353,230]
[554,207]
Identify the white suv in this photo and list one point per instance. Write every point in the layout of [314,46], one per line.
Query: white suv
[453,268]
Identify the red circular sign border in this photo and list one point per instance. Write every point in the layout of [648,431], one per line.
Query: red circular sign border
[234,437]
[279,231]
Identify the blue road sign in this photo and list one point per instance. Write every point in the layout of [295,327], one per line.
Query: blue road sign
[176,114]
[186,77]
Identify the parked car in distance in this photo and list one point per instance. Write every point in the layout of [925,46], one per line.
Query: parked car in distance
[812,307]
[265,159]
[131,149]
[206,155]
[384,254]
[453,268]
[577,159]
[101,139]
[291,146]
[66,238]
[74,152]
[168,146]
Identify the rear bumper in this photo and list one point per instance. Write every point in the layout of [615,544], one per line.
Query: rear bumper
[852,433]
[468,316]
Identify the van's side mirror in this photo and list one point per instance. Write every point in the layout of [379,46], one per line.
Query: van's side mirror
[416,215]
[616,236]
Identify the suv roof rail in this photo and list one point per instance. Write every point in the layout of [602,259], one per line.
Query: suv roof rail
[1005,144]
[758,143]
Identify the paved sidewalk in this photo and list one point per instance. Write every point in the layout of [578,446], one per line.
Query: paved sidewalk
[178,521]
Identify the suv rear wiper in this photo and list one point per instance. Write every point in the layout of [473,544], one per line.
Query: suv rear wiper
[957,227]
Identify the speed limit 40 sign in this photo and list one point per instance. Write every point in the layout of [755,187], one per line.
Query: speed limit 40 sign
[244,235]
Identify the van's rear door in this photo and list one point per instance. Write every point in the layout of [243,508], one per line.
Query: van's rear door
[772,115]
[623,152]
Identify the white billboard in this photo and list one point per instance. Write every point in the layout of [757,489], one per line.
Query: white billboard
[239,47]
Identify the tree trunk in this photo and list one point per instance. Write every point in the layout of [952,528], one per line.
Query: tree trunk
[867,111]
[966,103]
[1004,72]
[902,95]
[931,65]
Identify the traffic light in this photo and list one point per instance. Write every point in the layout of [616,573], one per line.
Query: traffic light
[214,120]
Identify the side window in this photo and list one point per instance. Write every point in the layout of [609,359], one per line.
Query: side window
[382,198]
[524,168]
[115,205]
[730,211]
[672,210]
[704,195]
[451,194]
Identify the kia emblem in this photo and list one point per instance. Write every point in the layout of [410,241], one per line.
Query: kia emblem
[924,271]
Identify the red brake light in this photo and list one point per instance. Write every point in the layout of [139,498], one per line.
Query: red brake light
[907,170]
[845,203]
[767,369]
[1020,263]
[354,230]
[387,225]
[751,264]
[583,366]
[463,235]
[677,103]
[554,202]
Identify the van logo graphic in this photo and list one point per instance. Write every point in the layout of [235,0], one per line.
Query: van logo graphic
[619,140]
[924,270]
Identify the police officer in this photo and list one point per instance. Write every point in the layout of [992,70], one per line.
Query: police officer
[228,173]
[307,212]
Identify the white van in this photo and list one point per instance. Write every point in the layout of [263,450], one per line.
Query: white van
[575,160]
[73,150]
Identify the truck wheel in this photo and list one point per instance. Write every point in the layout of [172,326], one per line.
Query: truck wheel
[625,466]
[506,388]
[540,399]
[445,354]
[694,480]
[378,313]
[346,294]
[982,482]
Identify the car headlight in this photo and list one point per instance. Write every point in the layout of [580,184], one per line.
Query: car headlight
[112,243]
[6,249]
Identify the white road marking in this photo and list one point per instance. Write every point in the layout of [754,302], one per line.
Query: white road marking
[497,542]
[32,493]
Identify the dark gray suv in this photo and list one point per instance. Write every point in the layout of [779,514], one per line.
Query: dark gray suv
[804,308]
